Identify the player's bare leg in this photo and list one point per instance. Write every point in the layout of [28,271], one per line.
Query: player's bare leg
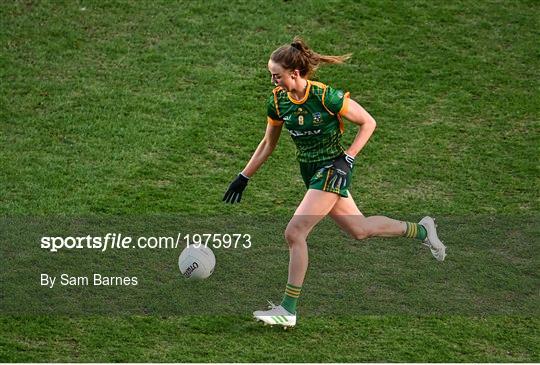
[347,215]
[314,207]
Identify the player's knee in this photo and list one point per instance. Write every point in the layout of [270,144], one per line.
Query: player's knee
[294,234]
[291,235]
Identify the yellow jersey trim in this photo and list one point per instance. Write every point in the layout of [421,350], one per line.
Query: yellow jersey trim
[273,122]
[344,109]
[323,86]
[275,92]
[319,84]
[345,106]
[306,95]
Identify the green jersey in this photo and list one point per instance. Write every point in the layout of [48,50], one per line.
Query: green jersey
[314,122]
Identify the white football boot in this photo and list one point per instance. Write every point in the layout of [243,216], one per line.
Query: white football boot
[276,315]
[438,249]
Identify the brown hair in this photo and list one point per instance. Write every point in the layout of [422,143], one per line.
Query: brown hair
[298,56]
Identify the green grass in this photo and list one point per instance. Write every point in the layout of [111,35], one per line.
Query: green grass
[135,110]
[232,339]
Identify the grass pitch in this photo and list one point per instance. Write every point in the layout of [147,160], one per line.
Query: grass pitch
[140,109]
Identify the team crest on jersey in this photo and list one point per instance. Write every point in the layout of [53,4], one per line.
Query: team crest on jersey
[300,111]
[317,118]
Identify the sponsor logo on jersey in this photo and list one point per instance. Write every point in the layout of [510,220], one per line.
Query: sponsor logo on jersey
[296,133]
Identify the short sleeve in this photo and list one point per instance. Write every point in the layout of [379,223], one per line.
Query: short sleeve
[271,113]
[336,101]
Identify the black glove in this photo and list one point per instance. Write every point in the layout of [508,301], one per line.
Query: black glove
[235,190]
[339,170]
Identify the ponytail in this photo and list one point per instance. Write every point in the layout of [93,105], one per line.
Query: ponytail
[298,56]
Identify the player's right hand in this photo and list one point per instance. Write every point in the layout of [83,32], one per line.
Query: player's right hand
[235,190]
[339,170]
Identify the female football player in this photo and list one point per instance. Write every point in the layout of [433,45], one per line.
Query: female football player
[312,112]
